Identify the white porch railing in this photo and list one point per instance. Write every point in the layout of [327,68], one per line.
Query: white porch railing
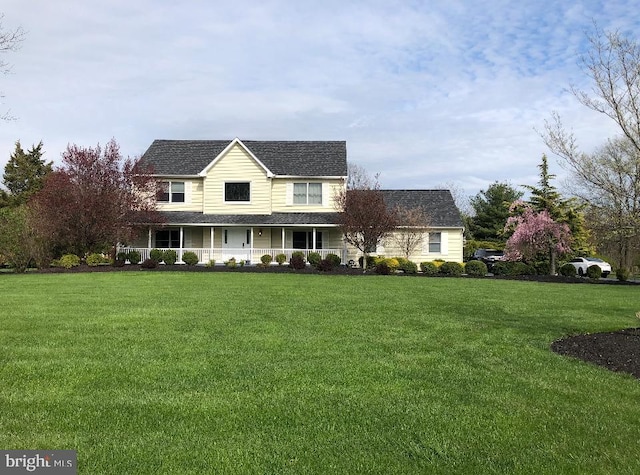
[250,256]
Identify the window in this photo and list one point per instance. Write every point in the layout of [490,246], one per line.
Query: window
[307,193]
[168,238]
[237,192]
[171,192]
[304,240]
[435,242]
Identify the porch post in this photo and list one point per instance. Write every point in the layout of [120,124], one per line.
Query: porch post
[181,243]
[149,241]
[314,238]
[251,247]
[283,240]
[211,246]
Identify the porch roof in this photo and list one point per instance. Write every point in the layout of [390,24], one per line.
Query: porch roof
[274,219]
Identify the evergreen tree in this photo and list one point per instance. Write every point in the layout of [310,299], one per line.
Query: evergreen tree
[545,197]
[491,211]
[24,174]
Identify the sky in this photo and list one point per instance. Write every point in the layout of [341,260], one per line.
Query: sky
[428,94]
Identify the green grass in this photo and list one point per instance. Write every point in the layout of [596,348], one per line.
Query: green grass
[283,373]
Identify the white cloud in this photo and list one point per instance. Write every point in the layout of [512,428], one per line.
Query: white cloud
[446,92]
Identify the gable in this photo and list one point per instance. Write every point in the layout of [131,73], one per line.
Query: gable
[437,204]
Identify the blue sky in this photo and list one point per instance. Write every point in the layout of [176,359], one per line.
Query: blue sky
[425,93]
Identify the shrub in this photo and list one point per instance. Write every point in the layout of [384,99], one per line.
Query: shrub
[314,258]
[429,268]
[393,263]
[407,266]
[567,270]
[297,261]
[96,259]
[622,274]
[134,257]
[325,265]
[122,256]
[542,267]
[438,262]
[68,261]
[211,263]
[118,263]
[242,263]
[383,267]
[156,255]
[299,254]
[190,258]
[149,264]
[453,269]
[371,261]
[169,256]
[266,260]
[476,268]
[512,268]
[594,272]
[281,259]
[231,263]
[334,259]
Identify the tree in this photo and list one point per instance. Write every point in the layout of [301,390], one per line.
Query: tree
[363,217]
[491,211]
[96,200]
[607,180]
[9,41]
[409,234]
[544,196]
[535,233]
[24,174]
[19,246]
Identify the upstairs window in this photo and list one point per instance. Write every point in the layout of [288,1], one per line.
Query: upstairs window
[307,193]
[171,192]
[237,192]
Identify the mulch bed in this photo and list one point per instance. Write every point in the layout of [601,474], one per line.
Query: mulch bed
[616,351]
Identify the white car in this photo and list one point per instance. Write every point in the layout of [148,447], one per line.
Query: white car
[581,264]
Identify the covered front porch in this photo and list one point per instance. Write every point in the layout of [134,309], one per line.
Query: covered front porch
[244,243]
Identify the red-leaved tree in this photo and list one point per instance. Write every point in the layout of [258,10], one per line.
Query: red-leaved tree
[535,233]
[95,200]
[363,216]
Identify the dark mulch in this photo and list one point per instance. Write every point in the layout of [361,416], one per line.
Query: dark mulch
[616,351]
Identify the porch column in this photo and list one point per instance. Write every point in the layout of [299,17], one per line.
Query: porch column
[181,243]
[283,240]
[212,232]
[149,240]
[314,238]
[251,247]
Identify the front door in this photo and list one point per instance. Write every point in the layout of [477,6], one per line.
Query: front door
[236,242]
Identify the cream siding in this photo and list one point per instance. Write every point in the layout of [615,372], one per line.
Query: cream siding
[451,248]
[282,195]
[237,166]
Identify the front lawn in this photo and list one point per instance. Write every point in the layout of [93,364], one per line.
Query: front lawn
[282,373]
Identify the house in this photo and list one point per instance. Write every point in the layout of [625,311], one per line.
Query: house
[243,199]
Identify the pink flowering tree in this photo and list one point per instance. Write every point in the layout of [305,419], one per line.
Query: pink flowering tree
[535,233]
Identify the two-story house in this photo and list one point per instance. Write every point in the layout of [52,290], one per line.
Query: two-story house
[242,199]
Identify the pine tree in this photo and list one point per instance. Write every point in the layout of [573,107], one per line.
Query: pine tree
[24,174]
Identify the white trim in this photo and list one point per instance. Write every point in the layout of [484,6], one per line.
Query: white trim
[234,142]
[311,177]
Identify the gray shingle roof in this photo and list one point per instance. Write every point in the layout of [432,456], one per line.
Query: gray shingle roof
[437,204]
[295,158]
[275,219]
